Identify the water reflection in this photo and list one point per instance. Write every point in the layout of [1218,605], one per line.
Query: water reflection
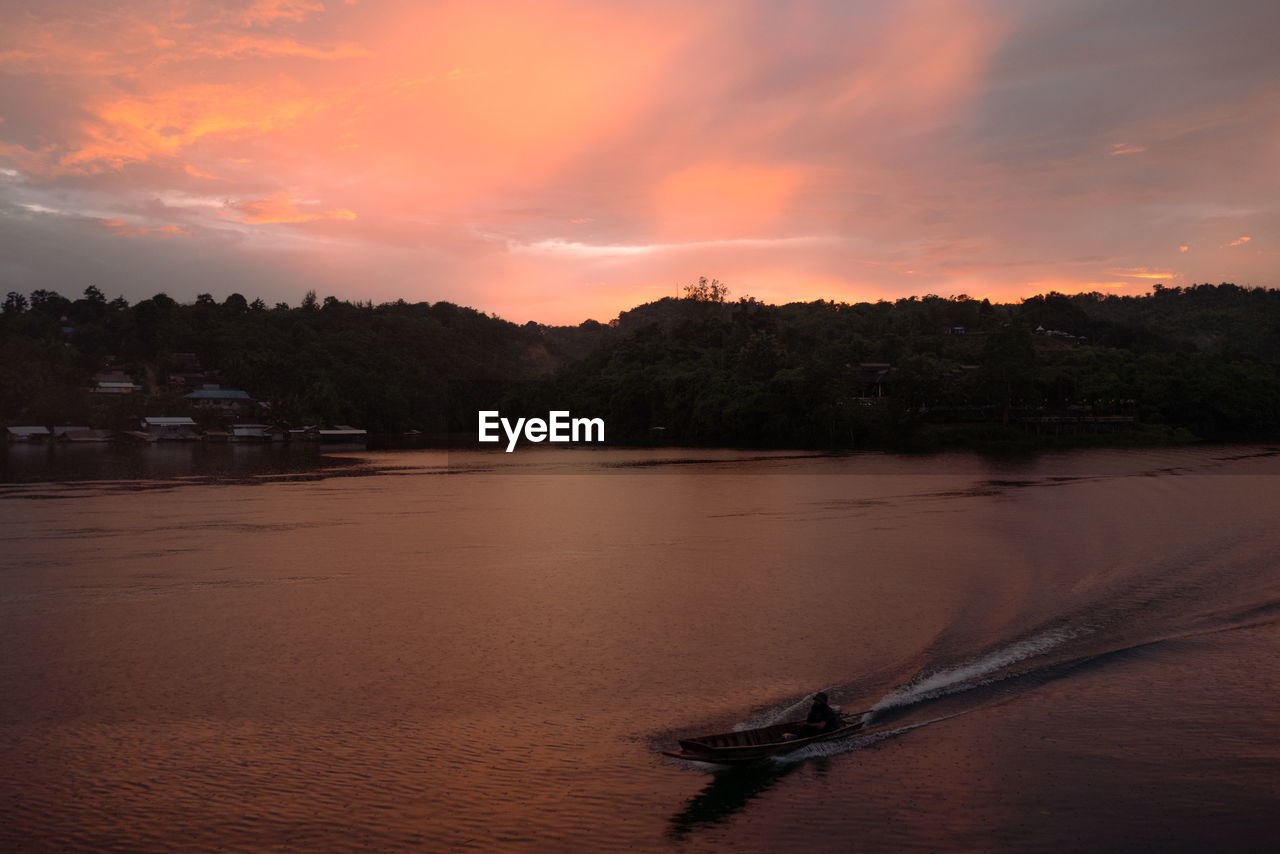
[727,793]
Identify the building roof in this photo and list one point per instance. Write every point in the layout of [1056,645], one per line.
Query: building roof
[218,394]
[28,431]
[169,421]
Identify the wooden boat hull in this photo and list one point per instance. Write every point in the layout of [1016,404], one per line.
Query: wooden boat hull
[752,745]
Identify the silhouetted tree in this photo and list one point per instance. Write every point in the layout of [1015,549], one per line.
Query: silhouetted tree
[707,290]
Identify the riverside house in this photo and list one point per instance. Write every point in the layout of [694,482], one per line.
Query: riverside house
[28,434]
[253,433]
[170,428]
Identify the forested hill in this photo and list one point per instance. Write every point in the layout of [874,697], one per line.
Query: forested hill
[1202,361]
[388,368]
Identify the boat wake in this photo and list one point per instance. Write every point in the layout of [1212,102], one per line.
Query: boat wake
[980,671]
[996,676]
[983,670]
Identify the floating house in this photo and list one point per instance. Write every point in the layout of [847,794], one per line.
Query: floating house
[28,434]
[252,433]
[343,433]
[170,428]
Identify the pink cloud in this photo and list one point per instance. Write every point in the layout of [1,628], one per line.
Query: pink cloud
[265,12]
[1142,273]
[1126,148]
[283,208]
[555,159]
[123,228]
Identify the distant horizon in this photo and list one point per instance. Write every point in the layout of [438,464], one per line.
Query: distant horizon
[561,160]
[732,298]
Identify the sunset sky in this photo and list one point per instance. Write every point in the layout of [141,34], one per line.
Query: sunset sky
[557,161]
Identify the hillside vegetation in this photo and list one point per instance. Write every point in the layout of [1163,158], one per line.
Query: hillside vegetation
[1202,361]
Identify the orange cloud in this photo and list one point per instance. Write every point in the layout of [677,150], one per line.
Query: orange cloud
[725,198]
[1141,273]
[1239,241]
[829,149]
[123,228]
[236,45]
[135,41]
[283,208]
[139,129]
[1126,148]
[931,57]
[264,12]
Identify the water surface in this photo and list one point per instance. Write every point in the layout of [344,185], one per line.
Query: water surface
[484,652]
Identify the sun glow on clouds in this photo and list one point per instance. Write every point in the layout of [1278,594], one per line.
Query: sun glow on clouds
[121,228]
[1142,273]
[281,207]
[163,126]
[268,11]
[725,199]
[1126,148]
[585,250]
[549,161]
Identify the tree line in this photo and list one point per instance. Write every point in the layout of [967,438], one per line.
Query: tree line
[1201,361]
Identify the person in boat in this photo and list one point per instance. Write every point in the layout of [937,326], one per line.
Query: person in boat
[822,716]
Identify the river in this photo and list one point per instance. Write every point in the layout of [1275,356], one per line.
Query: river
[413,650]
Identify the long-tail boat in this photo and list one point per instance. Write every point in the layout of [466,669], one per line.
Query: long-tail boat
[751,745]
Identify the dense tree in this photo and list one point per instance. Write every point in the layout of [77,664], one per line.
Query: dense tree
[49,302]
[1203,359]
